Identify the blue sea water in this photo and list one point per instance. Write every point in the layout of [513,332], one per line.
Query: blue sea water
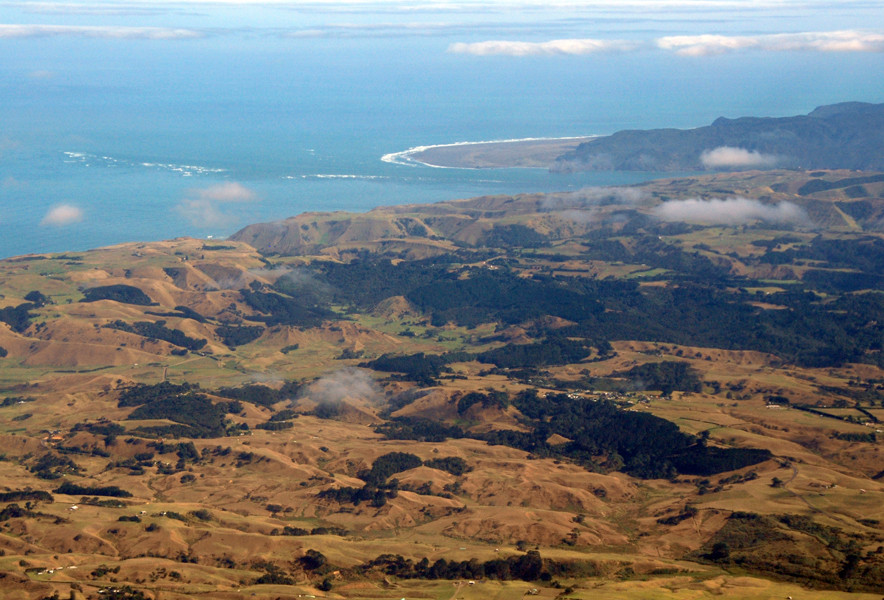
[152,139]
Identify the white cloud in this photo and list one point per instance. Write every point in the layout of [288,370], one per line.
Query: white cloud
[226,192]
[202,213]
[686,45]
[89,31]
[551,48]
[62,214]
[80,8]
[201,206]
[347,384]
[705,45]
[350,30]
[583,216]
[817,41]
[730,211]
[728,157]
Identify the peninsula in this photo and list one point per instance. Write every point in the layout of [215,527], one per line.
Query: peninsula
[525,153]
[848,135]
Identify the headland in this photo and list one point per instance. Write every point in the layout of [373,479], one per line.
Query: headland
[534,153]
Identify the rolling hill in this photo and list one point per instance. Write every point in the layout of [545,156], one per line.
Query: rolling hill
[597,394]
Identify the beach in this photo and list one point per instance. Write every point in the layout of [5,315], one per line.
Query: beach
[524,153]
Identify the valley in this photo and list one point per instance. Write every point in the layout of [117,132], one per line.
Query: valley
[669,390]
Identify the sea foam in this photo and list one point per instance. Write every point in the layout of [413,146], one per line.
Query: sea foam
[336,176]
[90,160]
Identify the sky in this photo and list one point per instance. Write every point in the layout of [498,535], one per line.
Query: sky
[729,26]
[36,37]
[694,29]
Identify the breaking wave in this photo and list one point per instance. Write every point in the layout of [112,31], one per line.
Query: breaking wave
[336,176]
[97,160]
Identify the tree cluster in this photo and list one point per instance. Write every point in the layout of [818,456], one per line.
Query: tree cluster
[126,294]
[530,566]
[261,395]
[72,489]
[238,335]
[17,317]
[158,330]
[285,310]
[195,414]
[636,443]
[377,490]
[780,546]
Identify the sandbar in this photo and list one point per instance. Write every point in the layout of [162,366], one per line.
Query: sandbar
[527,153]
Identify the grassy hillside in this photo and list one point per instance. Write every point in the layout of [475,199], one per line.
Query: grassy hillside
[671,390]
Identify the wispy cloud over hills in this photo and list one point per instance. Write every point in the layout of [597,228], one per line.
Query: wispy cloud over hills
[727,157]
[202,207]
[553,47]
[346,384]
[729,211]
[595,196]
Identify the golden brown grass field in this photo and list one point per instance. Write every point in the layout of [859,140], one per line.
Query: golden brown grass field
[237,513]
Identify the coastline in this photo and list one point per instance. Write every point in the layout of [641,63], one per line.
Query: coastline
[526,153]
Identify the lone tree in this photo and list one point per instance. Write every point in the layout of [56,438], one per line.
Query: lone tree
[720,552]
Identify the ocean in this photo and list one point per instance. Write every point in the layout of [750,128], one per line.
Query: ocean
[110,134]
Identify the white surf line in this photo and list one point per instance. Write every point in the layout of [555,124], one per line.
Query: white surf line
[337,176]
[184,170]
[406,157]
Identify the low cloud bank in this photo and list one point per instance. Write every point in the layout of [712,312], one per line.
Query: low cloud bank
[816,41]
[730,211]
[685,45]
[62,214]
[301,282]
[89,31]
[729,157]
[611,195]
[585,206]
[551,48]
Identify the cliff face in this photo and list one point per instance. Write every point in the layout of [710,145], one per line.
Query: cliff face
[849,135]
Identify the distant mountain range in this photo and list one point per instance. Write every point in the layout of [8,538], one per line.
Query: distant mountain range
[848,135]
